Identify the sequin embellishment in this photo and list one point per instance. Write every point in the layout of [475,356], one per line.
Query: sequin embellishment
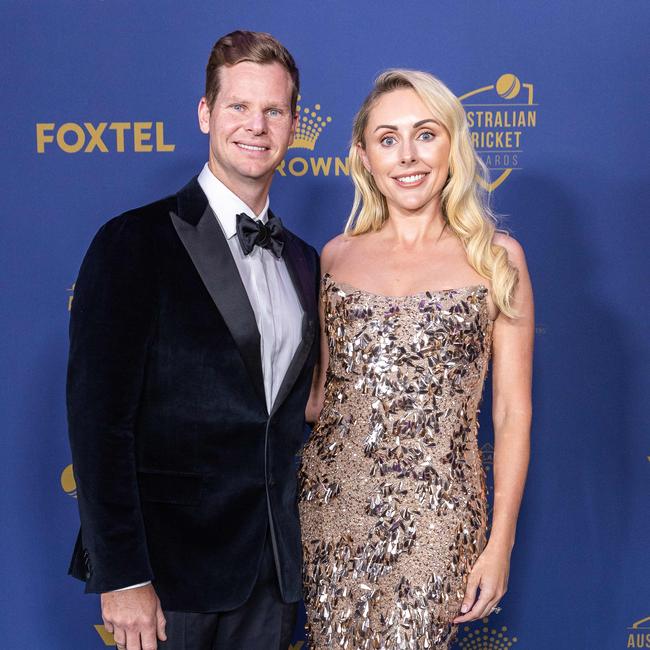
[392,491]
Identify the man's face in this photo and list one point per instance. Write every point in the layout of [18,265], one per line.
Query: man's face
[250,125]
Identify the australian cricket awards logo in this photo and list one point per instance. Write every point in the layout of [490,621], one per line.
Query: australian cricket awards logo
[638,634]
[499,117]
[300,160]
[486,637]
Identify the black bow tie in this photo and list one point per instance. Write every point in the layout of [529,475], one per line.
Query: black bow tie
[252,232]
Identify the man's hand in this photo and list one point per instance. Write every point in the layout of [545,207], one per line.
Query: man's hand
[134,617]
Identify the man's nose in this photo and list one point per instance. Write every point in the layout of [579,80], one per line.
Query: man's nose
[256,123]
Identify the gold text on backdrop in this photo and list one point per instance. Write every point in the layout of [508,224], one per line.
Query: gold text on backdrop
[70,137]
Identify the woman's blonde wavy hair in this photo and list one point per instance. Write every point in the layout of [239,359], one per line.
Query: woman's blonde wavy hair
[464,202]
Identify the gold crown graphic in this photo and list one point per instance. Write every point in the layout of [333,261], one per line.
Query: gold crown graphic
[486,638]
[310,126]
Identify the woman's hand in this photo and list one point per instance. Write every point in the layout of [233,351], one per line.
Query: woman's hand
[490,575]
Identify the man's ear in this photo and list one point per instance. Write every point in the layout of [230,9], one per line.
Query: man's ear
[203,111]
[294,127]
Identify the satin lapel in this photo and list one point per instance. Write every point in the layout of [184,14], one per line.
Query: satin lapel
[202,237]
[303,282]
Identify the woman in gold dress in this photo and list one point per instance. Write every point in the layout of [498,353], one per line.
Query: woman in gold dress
[417,294]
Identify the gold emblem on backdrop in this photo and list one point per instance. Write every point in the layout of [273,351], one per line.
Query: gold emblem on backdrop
[639,634]
[311,124]
[68,483]
[105,635]
[485,637]
[499,117]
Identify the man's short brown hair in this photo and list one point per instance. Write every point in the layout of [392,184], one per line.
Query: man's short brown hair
[257,47]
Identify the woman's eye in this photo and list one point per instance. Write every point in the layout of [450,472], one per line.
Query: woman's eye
[388,141]
[426,135]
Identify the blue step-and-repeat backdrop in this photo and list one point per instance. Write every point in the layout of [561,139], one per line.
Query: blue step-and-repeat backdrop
[99,115]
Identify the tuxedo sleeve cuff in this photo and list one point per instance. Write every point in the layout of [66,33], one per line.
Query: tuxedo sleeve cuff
[140,584]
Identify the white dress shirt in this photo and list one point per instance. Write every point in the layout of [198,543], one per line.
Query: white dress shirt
[277,310]
[267,282]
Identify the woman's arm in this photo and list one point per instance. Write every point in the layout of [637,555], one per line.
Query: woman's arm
[512,359]
[317,393]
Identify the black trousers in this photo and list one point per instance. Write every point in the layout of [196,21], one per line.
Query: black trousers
[263,622]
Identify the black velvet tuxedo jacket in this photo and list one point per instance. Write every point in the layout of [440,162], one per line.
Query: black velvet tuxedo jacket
[180,468]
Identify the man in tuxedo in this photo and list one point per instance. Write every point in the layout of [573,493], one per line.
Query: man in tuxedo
[193,339]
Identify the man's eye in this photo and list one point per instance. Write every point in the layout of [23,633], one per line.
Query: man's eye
[238,107]
[274,112]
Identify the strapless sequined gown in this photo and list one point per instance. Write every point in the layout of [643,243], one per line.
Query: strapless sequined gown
[392,492]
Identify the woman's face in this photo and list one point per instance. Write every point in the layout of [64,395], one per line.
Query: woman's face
[406,151]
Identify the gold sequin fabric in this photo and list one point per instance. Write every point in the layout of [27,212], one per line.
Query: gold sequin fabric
[392,491]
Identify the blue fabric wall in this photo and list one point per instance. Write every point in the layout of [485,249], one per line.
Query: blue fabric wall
[576,198]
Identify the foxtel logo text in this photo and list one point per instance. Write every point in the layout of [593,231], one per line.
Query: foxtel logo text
[70,137]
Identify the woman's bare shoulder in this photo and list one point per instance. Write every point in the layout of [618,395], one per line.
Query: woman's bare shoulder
[334,249]
[514,249]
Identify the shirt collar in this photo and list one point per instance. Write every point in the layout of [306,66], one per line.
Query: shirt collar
[226,204]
